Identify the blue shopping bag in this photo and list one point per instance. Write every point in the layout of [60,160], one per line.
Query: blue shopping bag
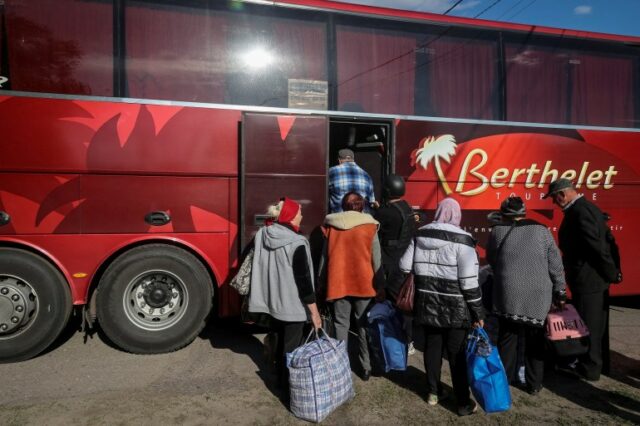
[387,339]
[487,378]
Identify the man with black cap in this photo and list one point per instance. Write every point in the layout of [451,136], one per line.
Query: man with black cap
[346,177]
[397,228]
[589,268]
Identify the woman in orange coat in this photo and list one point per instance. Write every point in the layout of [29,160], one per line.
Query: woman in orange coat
[351,263]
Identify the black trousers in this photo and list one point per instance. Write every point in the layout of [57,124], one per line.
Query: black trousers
[453,341]
[534,351]
[290,335]
[594,311]
[394,278]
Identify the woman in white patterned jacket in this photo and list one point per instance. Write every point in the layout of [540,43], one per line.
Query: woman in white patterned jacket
[448,300]
[528,276]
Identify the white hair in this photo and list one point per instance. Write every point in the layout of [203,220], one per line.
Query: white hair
[275,209]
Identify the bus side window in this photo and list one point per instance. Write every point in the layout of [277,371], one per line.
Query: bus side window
[59,46]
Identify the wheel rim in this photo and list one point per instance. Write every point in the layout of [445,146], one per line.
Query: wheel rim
[155,300]
[18,305]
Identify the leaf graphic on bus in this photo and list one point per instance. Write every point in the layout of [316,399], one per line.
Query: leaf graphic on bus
[107,152]
[434,149]
[66,194]
[30,128]
[138,175]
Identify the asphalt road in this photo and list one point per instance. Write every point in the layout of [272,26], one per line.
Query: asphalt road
[222,378]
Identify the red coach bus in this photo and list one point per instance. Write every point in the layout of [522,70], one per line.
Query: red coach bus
[141,140]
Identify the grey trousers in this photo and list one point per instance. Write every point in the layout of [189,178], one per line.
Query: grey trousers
[342,309]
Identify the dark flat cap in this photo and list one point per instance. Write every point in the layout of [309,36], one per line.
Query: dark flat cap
[557,186]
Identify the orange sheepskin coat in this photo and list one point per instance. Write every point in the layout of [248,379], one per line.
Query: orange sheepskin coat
[350,264]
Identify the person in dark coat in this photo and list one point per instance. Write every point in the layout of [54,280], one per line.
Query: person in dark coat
[397,228]
[448,300]
[528,277]
[588,265]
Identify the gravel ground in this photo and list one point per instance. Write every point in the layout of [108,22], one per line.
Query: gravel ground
[222,379]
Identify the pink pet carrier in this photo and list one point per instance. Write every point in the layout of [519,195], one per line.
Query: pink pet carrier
[567,333]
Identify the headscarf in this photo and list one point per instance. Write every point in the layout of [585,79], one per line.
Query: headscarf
[448,212]
[288,212]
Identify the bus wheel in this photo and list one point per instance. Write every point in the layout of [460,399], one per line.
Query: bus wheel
[153,299]
[35,304]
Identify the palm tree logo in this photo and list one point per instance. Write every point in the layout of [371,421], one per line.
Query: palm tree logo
[434,149]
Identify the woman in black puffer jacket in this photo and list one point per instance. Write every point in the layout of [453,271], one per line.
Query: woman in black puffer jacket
[448,300]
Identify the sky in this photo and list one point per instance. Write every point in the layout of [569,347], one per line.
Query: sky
[604,16]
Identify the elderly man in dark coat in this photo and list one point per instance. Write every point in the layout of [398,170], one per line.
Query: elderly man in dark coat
[589,267]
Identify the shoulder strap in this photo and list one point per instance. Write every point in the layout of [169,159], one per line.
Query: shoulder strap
[405,233]
[453,237]
[402,212]
[513,225]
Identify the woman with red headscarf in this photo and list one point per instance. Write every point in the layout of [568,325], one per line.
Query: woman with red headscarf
[282,281]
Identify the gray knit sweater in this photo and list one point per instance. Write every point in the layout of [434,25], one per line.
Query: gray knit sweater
[527,271]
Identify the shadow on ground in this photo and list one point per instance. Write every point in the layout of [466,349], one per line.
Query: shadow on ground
[73,326]
[232,334]
[625,369]
[414,380]
[620,403]
[625,301]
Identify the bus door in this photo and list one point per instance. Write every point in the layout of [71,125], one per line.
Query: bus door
[282,155]
[370,142]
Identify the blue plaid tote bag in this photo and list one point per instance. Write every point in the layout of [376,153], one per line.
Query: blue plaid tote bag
[319,377]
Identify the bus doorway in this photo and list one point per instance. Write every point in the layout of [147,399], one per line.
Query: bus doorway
[369,140]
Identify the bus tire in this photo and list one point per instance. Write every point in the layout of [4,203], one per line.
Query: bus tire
[35,304]
[154,299]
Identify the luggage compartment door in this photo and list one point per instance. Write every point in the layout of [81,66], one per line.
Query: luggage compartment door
[282,155]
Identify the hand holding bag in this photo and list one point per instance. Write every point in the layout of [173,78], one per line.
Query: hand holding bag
[328,322]
[567,332]
[487,378]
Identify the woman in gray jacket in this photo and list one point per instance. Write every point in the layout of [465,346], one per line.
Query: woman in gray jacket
[528,276]
[447,300]
[282,281]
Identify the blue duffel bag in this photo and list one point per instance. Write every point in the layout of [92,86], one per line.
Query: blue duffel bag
[387,339]
[487,378]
